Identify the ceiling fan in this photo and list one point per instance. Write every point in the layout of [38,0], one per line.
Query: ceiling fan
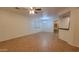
[32,10]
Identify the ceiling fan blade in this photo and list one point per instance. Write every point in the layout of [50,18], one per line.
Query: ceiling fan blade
[38,9]
[17,7]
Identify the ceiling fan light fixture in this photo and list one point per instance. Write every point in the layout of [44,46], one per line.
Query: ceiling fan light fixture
[31,12]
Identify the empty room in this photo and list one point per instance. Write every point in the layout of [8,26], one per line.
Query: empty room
[39,29]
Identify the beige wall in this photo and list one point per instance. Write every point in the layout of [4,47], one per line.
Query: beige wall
[67,35]
[76,27]
[71,36]
[14,25]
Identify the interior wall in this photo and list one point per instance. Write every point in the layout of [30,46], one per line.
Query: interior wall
[72,35]
[67,35]
[76,27]
[14,25]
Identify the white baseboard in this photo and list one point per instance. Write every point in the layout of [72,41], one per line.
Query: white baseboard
[18,36]
[71,43]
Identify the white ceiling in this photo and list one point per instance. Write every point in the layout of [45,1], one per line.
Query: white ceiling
[49,11]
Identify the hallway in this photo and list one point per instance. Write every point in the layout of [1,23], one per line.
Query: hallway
[39,42]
